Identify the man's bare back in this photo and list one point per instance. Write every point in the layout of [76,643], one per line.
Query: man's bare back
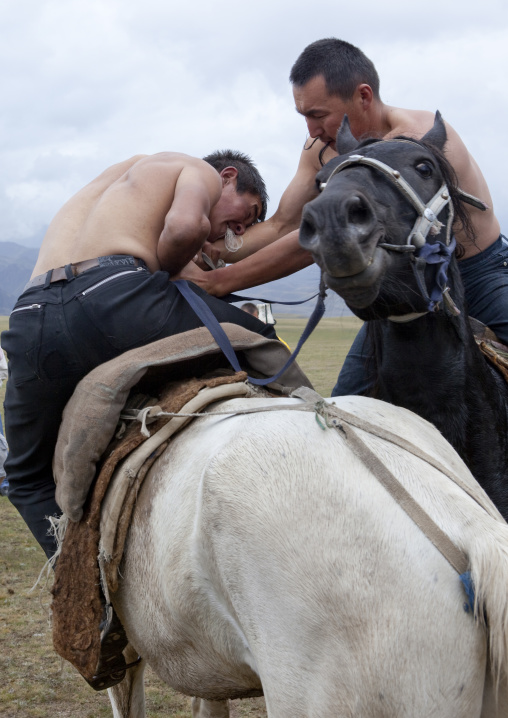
[125,210]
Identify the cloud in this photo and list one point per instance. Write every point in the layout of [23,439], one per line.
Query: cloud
[91,83]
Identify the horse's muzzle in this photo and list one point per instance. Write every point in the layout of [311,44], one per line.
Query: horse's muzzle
[341,232]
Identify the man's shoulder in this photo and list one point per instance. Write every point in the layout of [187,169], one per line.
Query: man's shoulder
[409,123]
[165,158]
[171,165]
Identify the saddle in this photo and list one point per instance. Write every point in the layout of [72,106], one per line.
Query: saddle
[493,350]
[93,435]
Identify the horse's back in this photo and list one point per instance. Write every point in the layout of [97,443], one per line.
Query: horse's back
[264,552]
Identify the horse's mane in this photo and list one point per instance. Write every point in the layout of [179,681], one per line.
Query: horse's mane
[449,177]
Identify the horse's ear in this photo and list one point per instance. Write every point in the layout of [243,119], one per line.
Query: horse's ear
[345,141]
[437,135]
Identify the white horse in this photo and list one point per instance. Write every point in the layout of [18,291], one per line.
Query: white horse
[265,556]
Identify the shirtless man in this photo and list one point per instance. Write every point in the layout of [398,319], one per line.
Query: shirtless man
[101,286]
[332,78]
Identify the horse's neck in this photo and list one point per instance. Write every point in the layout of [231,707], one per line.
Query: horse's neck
[423,366]
[433,367]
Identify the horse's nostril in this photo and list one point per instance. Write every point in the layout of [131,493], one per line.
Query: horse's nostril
[308,236]
[358,211]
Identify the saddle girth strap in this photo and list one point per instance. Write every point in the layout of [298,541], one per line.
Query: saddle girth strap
[344,422]
[452,553]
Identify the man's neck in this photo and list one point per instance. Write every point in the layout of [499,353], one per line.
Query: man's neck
[381,120]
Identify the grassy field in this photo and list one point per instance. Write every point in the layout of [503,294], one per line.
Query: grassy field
[36,683]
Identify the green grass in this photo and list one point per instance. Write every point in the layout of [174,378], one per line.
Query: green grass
[324,352]
[36,682]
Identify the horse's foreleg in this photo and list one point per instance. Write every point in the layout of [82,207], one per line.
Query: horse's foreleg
[209,709]
[128,697]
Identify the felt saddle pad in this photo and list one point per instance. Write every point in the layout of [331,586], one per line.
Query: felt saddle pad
[77,608]
[91,415]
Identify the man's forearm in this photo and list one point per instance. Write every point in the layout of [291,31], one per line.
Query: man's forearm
[277,260]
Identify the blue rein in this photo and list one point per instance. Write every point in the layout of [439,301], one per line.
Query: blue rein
[435,253]
[206,315]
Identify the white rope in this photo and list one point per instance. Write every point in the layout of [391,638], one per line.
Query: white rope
[135,415]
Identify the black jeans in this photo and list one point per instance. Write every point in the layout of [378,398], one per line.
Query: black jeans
[60,332]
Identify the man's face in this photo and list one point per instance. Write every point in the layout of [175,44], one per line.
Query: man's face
[234,211]
[323,112]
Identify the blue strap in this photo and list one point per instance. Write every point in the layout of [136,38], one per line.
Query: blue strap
[437,253]
[467,582]
[210,321]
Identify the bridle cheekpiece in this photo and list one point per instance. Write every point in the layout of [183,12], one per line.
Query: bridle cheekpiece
[427,220]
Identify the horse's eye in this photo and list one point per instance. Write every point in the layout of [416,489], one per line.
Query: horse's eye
[424,169]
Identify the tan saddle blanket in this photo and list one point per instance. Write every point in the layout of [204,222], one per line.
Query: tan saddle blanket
[89,425]
[91,415]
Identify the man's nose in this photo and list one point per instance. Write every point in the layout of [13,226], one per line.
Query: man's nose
[314,127]
[237,227]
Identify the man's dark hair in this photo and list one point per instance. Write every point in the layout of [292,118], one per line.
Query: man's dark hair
[343,66]
[248,180]
[250,308]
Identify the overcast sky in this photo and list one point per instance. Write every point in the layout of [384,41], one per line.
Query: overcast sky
[85,84]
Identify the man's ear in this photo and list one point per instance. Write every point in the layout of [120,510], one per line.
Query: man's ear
[365,94]
[228,174]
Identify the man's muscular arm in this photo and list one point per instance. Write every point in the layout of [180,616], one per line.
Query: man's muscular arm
[187,224]
[279,259]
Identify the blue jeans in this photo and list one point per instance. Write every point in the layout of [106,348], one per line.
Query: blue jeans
[485,278]
[60,332]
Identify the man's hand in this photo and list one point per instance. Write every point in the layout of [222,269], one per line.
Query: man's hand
[211,251]
[204,279]
[273,262]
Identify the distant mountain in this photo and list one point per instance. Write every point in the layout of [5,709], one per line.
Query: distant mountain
[17,263]
[16,266]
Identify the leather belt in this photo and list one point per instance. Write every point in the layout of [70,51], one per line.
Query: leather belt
[58,274]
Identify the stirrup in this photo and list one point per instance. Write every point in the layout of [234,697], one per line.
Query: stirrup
[112,667]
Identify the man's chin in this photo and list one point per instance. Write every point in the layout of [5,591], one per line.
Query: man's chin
[328,143]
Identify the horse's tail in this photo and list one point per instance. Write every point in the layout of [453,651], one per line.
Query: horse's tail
[488,554]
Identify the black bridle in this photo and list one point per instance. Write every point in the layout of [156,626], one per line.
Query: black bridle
[421,252]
